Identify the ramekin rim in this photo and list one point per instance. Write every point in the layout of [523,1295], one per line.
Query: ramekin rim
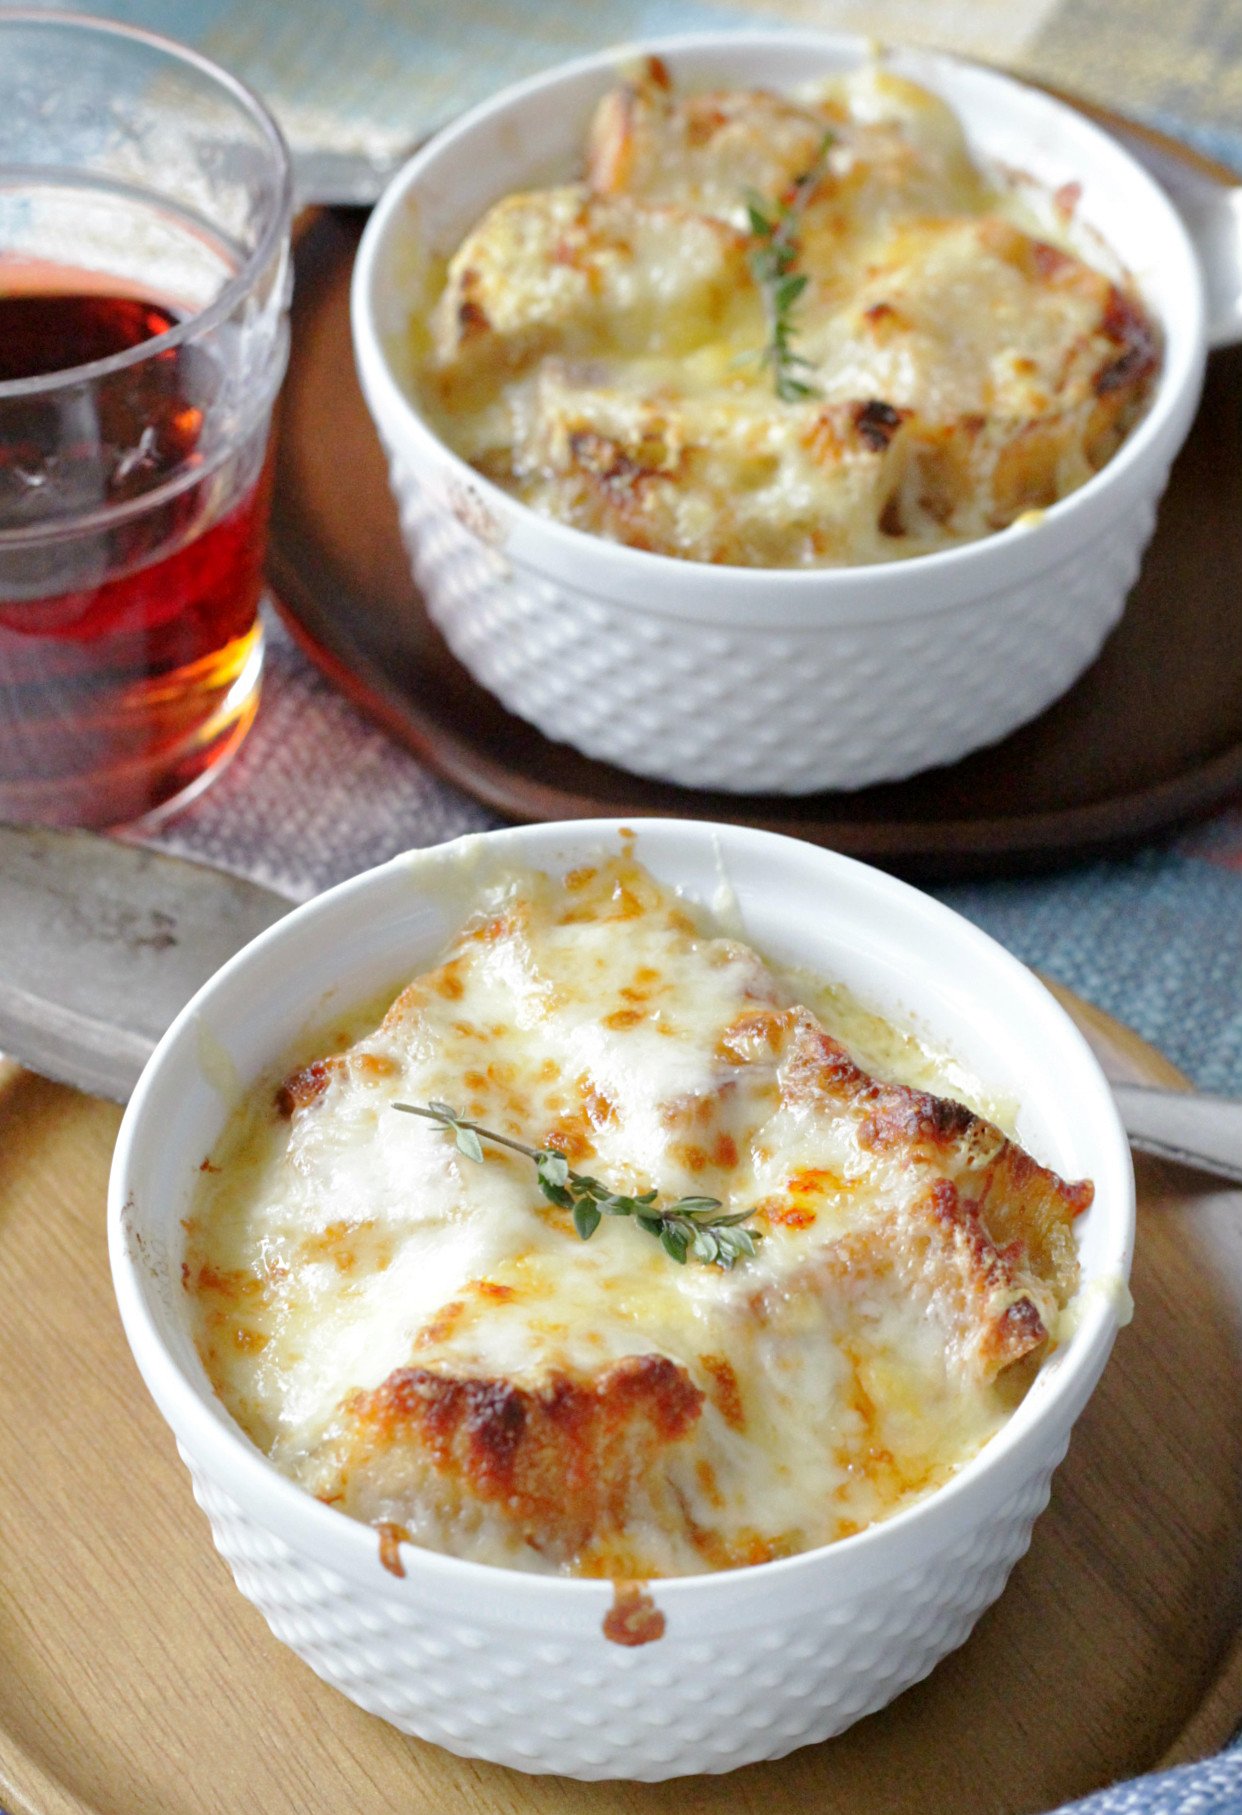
[347,1545]
[1016,551]
[275,229]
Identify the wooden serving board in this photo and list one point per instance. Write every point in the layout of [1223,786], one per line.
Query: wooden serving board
[135,1680]
[1150,736]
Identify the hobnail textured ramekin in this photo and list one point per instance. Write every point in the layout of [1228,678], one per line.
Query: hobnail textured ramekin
[514,1667]
[771,680]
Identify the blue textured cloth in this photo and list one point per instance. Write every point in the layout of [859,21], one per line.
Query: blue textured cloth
[1211,1788]
[1156,939]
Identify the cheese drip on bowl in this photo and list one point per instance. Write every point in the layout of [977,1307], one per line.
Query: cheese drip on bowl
[604,348]
[425,1342]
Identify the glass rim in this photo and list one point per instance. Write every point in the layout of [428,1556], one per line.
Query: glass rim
[274,230]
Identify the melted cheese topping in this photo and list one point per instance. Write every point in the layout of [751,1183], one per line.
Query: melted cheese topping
[425,1342]
[597,348]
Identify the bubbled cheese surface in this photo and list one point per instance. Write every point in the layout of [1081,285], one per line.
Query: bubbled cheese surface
[825,1382]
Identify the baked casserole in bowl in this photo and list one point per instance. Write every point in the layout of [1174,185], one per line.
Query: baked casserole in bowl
[572,347]
[744,1418]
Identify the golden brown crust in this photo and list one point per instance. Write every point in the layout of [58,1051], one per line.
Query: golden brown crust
[993,1227]
[633,1618]
[819,1069]
[302,1088]
[305,1086]
[391,1537]
[1126,323]
[971,372]
[725,1392]
[562,1461]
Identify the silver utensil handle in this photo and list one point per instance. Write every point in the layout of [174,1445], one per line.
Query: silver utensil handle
[1200,1131]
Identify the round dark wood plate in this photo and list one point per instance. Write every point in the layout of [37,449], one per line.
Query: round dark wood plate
[1149,737]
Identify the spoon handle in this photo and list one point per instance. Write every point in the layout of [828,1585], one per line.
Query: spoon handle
[1196,1130]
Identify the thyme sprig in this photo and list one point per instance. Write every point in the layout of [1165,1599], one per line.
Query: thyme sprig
[772,257]
[690,1226]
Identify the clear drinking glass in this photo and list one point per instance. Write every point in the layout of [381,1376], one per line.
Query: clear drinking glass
[144,288]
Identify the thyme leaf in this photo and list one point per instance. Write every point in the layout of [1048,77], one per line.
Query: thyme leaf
[689,1226]
[772,256]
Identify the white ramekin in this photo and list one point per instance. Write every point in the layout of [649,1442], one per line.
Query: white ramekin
[512,1667]
[761,680]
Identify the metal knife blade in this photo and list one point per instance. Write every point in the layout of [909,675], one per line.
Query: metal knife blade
[1184,1125]
[101,943]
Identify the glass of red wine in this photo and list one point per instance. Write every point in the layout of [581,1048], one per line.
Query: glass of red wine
[144,287]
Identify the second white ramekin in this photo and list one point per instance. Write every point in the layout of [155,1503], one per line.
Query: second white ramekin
[769,680]
[497,1664]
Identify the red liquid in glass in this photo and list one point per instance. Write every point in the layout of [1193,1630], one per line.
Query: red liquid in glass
[120,693]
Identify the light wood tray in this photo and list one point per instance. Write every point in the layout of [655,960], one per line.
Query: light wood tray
[134,1680]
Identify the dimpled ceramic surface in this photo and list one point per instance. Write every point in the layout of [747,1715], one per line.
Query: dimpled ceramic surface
[754,706]
[514,1666]
[687,1704]
[783,681]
